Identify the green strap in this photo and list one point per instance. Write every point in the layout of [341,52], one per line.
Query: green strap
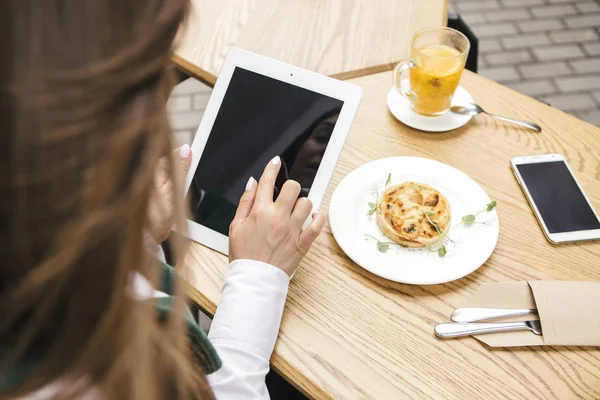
[19,373]
[203,350]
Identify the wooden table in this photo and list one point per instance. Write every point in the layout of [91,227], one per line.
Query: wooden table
[349,334]
[342,38]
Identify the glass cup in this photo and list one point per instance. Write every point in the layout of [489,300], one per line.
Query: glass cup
[438,57]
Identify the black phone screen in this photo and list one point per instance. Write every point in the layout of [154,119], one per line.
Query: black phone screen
[557,196]
[260,117]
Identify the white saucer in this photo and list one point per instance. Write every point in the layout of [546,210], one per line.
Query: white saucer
[399,106]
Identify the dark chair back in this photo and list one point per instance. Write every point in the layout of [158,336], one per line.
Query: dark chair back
[456,22]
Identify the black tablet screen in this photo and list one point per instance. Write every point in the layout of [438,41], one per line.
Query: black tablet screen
[259,118]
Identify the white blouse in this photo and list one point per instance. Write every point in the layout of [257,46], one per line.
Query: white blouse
[245,328]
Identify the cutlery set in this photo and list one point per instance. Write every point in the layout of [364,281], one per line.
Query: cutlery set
[465,322]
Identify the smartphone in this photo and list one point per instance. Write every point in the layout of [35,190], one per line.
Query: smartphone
[558,201]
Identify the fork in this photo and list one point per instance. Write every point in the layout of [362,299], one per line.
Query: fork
[478,314]
[456,329]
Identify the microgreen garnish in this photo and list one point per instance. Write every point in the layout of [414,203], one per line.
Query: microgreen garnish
[381,246]
[438,247]
[470,219]
[373,204]
[442,251]
[434,224]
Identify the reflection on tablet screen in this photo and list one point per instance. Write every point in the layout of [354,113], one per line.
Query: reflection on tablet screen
[259,118]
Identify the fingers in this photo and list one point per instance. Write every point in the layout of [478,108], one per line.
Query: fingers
[160,212]
[308,236]
[161,175]
[266,185]
[166,197]
[183,157]
[246,201]
[288,196]
[301,211]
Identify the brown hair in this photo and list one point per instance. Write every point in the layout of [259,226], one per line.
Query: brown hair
[83,88]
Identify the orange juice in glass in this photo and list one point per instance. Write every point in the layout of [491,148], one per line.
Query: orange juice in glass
[438,57]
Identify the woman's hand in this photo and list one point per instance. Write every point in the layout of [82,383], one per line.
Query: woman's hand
[161,210]
[269,231]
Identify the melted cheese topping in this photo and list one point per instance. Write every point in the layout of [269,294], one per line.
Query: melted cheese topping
[401,214]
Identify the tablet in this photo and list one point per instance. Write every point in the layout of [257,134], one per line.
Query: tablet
[261,108]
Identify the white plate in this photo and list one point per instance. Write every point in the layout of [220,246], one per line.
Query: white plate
[399,106]
[350,222]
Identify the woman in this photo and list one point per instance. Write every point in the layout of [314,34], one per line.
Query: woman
[83,128]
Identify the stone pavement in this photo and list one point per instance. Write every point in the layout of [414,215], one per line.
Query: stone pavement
[547,49]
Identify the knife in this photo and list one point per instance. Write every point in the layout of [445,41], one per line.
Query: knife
[456,329]
[480,314]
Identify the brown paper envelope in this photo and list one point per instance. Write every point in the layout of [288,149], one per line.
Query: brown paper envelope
[506,295]
[569,311]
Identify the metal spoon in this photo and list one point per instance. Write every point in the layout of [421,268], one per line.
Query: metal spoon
[474,109]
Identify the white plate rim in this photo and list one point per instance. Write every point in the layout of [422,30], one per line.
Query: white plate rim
[481,260]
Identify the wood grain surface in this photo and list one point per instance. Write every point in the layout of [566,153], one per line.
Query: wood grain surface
[342,38]
[348,334]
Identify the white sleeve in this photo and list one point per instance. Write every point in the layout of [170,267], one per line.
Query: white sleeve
[245,328]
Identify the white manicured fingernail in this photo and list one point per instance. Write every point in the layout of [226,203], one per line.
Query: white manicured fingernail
[250,183]
[185,151]
[276,160]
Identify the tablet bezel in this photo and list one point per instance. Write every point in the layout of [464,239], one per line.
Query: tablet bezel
[348,93]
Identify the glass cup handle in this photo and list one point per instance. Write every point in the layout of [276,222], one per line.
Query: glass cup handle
[400,71]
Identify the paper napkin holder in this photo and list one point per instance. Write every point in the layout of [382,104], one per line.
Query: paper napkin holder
[569,312]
